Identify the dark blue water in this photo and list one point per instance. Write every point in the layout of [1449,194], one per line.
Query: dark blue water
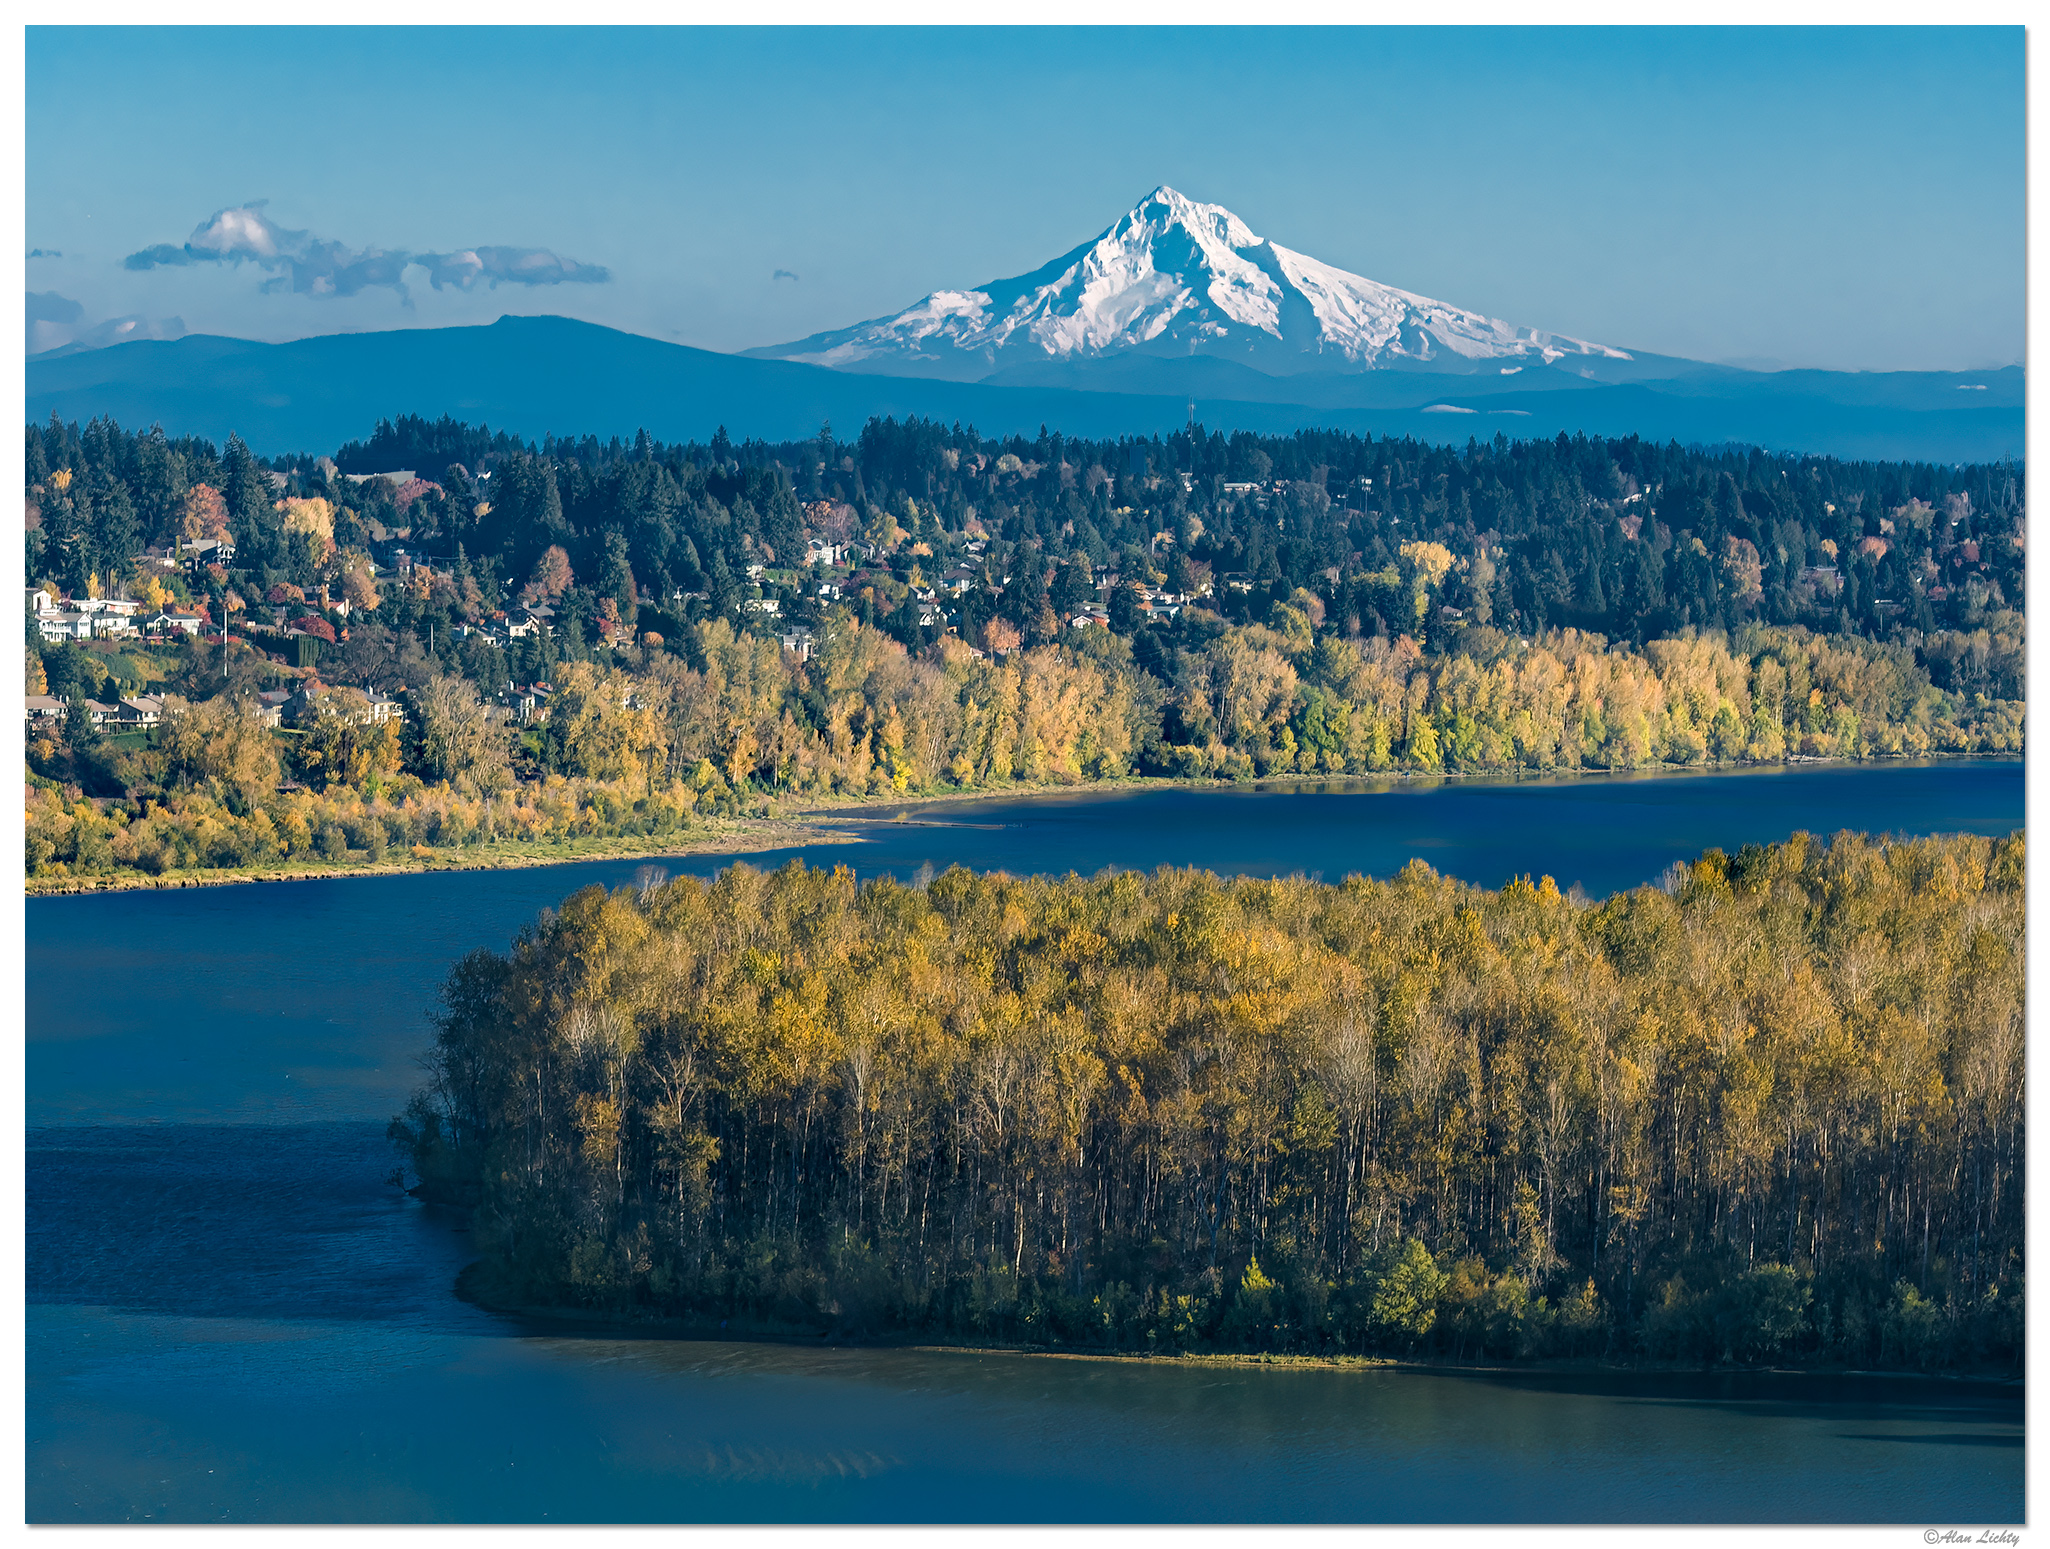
[1601,832]
[234,1318]
[296,1001]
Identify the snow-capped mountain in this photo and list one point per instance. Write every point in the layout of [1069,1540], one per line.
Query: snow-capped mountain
[1176,278]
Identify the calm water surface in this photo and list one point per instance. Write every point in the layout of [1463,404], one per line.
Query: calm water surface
[232,1318]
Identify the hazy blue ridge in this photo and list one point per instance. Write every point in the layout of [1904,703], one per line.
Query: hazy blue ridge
[542,375]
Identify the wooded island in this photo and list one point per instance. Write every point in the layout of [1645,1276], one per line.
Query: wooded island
[1770,1110]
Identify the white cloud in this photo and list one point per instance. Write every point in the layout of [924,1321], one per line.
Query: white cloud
[316,266]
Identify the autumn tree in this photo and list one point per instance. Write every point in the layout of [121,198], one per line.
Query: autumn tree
[341,744]
[460,738]
[204,514]
[223,744]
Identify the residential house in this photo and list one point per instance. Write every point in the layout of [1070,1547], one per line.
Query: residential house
[271,702]
[173,619]
[139,712]
[45,709]
[798,642]
[110,616]
[66,625]
[208,551]
[366,705]
[525,705]
[101,714]
[81,618]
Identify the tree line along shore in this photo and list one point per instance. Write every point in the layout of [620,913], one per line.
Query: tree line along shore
[540,644]
[652,746]
[1767,1111]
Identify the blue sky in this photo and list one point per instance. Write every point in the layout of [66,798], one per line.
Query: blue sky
[1846,198]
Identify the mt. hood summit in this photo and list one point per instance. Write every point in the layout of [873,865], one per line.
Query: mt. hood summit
[1176,278]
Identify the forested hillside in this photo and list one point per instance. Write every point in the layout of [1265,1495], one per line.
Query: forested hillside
[1622,538]
[919,610]
[1769,1111]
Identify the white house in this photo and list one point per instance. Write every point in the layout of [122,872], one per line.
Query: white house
[67,625]
[110,615]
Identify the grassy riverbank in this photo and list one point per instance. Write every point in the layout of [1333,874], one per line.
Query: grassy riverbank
[782,824]
[718,837]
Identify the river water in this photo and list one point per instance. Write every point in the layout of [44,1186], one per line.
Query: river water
[232,1317]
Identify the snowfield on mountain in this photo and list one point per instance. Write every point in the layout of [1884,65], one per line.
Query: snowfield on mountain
[1177,278]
